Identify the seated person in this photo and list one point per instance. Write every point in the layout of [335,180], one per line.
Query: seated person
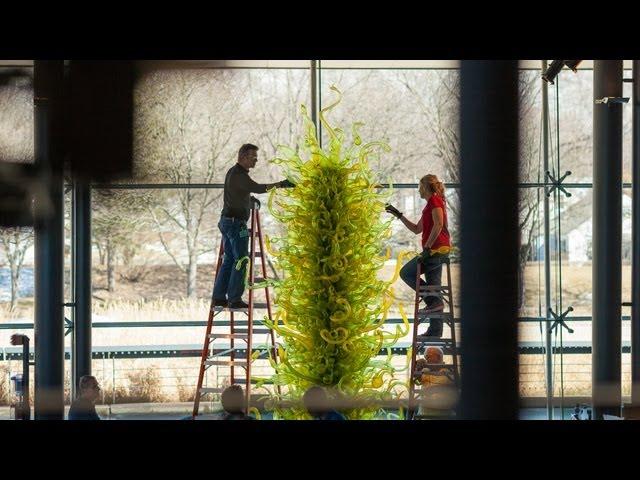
[316,402]
[232,399]
[437,381]
[84,407]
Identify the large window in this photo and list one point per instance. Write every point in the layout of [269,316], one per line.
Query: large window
[155,237]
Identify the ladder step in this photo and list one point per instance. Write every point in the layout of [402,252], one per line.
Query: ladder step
[443,315]
[204,391]
[240,336]
[243,381]
[434,288]
[228,363]
[255,331]
[424,340]
[256,306]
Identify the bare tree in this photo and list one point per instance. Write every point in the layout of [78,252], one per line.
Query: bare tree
[185,133]
[15,243]
[117,216]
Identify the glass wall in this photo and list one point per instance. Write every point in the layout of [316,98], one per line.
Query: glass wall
[155,237]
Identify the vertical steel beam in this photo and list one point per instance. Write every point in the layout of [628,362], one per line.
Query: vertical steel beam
[82,280]
[607,236]
[489,239]
[547,250]
[49,235]
[635,267]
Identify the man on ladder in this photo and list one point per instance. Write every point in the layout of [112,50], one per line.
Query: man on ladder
[238,186]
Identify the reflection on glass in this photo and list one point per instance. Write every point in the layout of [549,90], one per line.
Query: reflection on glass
[16,117]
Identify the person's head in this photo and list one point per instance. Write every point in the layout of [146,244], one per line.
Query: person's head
[232,399]
[248,155]
[315,400]
[429,184]
[89,387]
[434,355]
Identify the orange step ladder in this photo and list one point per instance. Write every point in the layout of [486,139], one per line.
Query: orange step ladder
[236,356]
[420,343]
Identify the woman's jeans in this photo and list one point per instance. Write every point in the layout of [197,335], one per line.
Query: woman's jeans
[431,268]
[230,282]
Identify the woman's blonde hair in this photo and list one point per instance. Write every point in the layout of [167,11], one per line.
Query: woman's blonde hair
[431,184]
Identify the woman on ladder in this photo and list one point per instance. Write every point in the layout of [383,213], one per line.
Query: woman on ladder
[436,245]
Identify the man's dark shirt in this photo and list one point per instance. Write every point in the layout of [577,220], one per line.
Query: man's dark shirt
[237,189]
[82,409]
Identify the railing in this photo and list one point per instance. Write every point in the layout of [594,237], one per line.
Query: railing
[175,378]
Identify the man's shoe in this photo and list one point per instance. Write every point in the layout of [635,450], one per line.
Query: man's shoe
[238,304]
[438,307]
[220,302]
[435,328]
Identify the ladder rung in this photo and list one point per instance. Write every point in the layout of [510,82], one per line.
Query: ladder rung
[228,363]
[258,280]
[243,381]
[424,295]
[443,315]
[241,336]
[423,339]
[255,331]
[204,391]
[434,288]
[259,305]
[256,306]
[257,254]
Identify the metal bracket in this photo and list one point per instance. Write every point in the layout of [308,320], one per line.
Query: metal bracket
[610,100]
[557,183]
[559,320]
[68,325]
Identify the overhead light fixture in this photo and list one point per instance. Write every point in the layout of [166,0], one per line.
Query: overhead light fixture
[556,66]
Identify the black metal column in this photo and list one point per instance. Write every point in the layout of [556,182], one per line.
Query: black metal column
[82,280]
[635,266]
[607,236]
[49,234]
[489,239]
[547,249]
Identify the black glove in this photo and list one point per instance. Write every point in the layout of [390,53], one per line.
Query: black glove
[392,210]
[255,203]
[286,184]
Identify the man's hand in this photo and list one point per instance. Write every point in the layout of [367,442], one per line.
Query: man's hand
[286,184]
[255,203]
[393,210]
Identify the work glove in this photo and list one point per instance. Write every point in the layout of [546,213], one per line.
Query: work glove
[286,184]
[393,210]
